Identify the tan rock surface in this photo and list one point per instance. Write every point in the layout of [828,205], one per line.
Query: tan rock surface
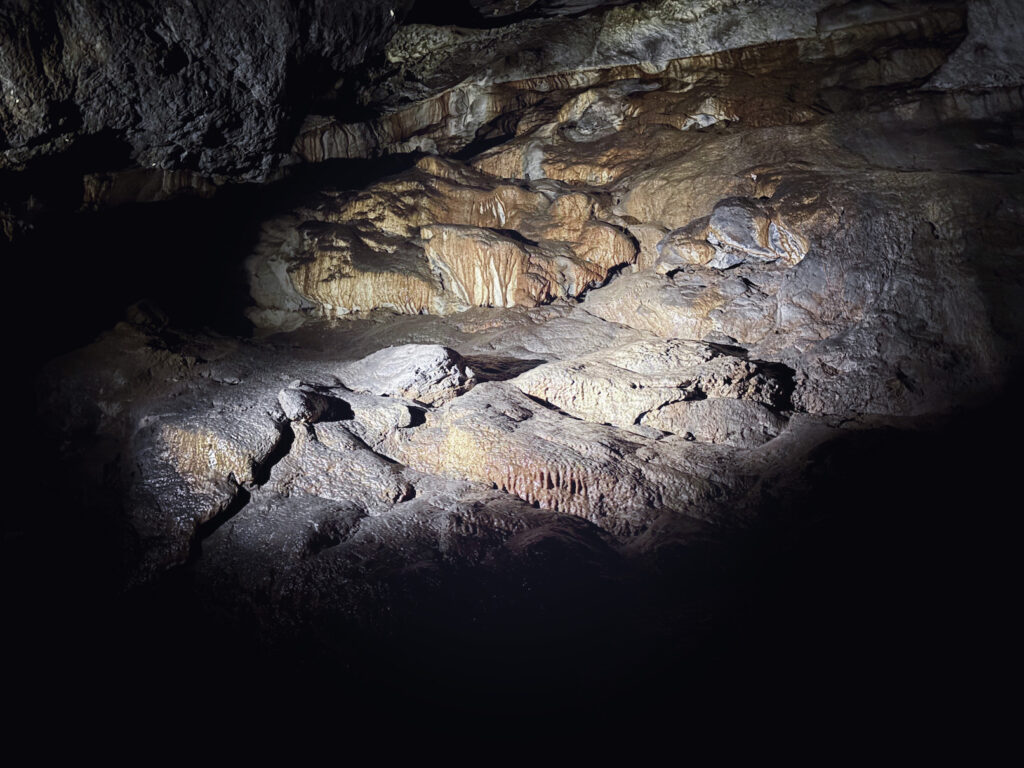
[633,384]
[484,268]
[496,434]
[438,239]
[691,304]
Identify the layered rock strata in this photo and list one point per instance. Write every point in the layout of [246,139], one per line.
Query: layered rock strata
[438,239]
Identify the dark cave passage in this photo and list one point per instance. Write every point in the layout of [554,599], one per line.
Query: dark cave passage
[183,256]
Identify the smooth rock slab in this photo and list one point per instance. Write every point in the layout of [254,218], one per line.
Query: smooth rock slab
[339,471]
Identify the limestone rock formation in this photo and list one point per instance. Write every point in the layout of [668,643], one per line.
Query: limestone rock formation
[322,465]
[439,239]
[498,436]
[302,403]
[756,233]
[443,86]
[989,55]
[740,423]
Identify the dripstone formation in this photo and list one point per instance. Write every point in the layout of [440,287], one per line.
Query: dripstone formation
[639,291]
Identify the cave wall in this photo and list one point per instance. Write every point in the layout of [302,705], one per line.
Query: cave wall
[211,87]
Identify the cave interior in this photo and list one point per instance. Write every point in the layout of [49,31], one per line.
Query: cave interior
[533,362]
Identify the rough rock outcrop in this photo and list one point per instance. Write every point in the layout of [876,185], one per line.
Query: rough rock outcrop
[619,480]
[990,54]
[110,102]
[427,373]
[442,87]
[440,238]
[208,86]
[655,384]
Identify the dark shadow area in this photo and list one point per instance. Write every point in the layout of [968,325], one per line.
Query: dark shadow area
[77,272]
[457,13]
[238,503]
[338,410]
[417,416]
[493,134]
[517,236]
[496,368]
[487,14]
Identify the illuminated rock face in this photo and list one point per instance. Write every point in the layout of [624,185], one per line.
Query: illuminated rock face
[497,436]
[438,239]
[631,385]
[594,438]
[427,373]
[636,320]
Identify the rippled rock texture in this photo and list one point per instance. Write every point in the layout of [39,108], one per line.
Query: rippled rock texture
[661,273]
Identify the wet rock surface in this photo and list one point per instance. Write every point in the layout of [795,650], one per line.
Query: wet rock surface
[668,384]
